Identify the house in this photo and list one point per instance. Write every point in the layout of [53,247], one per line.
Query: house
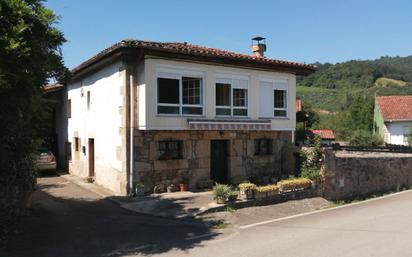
[393,118]
[167,113]
[327,136]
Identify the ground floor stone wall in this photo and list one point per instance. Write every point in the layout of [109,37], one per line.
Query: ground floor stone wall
[195,165]
[350,175]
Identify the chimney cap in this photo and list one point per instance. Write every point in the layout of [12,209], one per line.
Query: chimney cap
[258,38]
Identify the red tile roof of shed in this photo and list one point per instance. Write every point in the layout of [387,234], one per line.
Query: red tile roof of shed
[397,107]
[324,133]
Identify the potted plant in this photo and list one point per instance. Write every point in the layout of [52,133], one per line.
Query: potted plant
[247,190]
[140,189]
[233,196]
[221,193]
[182,187]
[171,188]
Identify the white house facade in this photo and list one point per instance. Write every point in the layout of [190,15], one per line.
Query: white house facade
[393,119]
[171,113]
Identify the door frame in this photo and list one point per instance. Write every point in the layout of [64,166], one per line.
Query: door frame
[91,157]
[219,178]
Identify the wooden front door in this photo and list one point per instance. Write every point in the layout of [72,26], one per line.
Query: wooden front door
[91,157]
[218,161]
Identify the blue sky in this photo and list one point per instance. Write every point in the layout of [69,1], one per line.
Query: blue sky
[296,30]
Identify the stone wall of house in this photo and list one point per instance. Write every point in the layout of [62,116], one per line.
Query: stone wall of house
[358,174]
[195,165]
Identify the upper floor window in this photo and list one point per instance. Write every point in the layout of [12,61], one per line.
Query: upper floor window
[273,99]
[279,103]
[232,97]
[179,95]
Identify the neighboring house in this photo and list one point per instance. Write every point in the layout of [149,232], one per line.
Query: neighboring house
[161,113]
[56,136]
[327,135]
[393,118]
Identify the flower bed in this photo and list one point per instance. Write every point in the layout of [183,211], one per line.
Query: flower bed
[295,184]
[266,191]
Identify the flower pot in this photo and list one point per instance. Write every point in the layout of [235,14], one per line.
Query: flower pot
[232,197]
[247,194]
[183,187]
[220,201]
[260,195]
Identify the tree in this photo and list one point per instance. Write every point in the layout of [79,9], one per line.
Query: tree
[29,56]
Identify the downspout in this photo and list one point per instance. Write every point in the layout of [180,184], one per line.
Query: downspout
[132,117]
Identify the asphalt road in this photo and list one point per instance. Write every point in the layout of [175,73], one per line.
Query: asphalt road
[70,221]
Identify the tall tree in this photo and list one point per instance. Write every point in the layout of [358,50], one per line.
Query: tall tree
[29,56]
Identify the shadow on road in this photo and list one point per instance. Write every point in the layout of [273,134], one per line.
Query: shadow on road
[67,220]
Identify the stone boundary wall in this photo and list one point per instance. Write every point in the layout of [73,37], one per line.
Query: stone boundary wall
[349,175]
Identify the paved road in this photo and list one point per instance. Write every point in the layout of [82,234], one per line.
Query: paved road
[70,221]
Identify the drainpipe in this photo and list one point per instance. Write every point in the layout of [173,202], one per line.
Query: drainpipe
[132,77]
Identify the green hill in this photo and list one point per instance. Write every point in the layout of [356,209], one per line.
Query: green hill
[333,86]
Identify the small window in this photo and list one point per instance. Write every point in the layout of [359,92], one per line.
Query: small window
[263,146]
[69,108]
[88,100]
[169,150]
[279,100]
[76,144]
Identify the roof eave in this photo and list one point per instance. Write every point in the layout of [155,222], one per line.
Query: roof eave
[124,52]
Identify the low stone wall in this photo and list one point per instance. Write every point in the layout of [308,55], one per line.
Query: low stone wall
[349,175]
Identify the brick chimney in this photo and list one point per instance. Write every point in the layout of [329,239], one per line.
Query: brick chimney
[259,46]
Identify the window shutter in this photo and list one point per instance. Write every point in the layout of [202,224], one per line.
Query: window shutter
[266,99]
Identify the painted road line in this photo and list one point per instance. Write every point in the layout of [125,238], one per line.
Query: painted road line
[320,211]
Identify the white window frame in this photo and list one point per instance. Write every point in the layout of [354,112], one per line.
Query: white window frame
[178,75]
[278,84]
[229,79]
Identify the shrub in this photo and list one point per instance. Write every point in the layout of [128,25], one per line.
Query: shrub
[365,138]
[247,186]
[295,184]
[221,191]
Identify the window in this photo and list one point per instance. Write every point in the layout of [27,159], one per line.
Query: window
[88,100]
[273,98]
[69,108]
[192,96]
[279,100]
[169,150]
[76,144]
[263,146]
[180,95]
[223,99]
[232,97]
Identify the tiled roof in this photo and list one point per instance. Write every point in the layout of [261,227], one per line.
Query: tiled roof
[397,107]
[324,133]
[188,49]
[52,87]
